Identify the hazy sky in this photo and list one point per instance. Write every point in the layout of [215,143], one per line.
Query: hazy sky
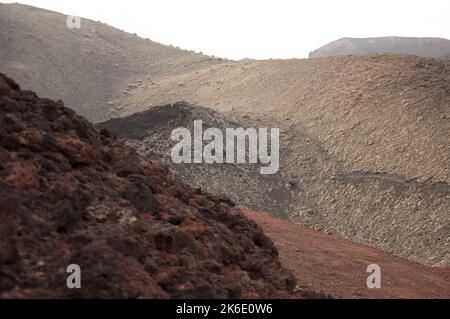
[261,28]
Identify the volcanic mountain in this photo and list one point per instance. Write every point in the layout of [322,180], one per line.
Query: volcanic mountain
[86,67]
[426,47]
[364,139]
[71,194]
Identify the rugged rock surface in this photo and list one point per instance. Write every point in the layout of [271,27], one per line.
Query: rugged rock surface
[70,194]
[426,47]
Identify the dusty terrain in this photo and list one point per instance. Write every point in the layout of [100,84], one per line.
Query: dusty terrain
[426,47]
[338,267]
[364,141]
[70,193]
[149,133]
[372,113]
[85,67]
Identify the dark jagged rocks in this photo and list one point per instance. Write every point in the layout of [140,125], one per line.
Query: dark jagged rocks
[71,194]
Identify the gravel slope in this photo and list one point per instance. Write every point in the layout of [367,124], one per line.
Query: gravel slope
[364,138]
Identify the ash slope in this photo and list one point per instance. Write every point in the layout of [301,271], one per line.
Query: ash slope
[303,250]
[85,67]
[364,138]
[385,113]
[149,132]
[425,47]
[71,194]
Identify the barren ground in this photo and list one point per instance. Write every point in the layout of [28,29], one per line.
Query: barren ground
[337,266]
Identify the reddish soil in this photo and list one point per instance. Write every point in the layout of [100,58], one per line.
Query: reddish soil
[337,267]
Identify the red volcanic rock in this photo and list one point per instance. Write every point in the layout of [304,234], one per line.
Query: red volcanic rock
[70,194]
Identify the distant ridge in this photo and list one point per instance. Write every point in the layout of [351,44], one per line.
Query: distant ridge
[426,47]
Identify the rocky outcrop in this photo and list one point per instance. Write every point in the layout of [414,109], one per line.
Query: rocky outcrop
[71,194]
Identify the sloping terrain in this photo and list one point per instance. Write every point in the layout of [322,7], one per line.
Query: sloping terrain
[70,194]
[149,133]
[373,113]
[426,47]
[338,267]
[73,194]
[364,140]
[85,67]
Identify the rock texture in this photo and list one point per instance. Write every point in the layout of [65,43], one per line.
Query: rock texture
[426,47]
[149,133]
[70,194]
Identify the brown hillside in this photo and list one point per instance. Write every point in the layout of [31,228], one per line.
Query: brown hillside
[85,67]
[365,137]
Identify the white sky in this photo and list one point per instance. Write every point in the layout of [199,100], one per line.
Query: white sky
[261,28]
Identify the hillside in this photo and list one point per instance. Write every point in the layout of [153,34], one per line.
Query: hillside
[364,167]
[363,138]
[425,47]
[71,194]
[149,133]
[85,67]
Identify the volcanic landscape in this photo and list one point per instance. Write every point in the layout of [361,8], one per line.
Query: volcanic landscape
[87,178]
